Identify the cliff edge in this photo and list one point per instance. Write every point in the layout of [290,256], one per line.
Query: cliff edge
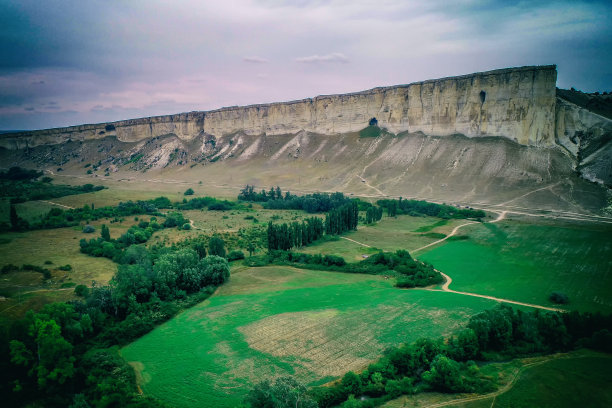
[515,103]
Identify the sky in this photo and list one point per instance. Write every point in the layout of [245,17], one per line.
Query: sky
[65,62]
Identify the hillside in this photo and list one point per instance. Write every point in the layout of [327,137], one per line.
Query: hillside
[499,137]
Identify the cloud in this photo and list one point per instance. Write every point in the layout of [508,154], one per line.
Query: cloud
[334,57]
[255,60]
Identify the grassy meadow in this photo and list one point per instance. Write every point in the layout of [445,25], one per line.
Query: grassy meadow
[527,261]
[274,321]
[389,234]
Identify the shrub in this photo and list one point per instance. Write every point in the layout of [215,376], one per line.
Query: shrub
[186,226]
[88,229]
[559,298]
[189,191]
[66,267]
[235,255]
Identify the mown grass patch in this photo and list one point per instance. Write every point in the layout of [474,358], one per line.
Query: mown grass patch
[527,262]
[274,321]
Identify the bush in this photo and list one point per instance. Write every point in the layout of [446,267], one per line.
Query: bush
[88,229]
[186,226]
[559,298]
[188,192]
[235,255]
[66,267]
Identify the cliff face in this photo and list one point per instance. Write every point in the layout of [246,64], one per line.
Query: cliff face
[587,136]
[516,103]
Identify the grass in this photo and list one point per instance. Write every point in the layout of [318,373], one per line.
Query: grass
[26,290]
[274,321]
[526,262]
[389,234]
[560,383]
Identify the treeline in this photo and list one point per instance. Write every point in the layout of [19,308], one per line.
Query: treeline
[60,218]
[294,235]
[66,354]
[20,185]
[400,265]
[416,208]
[448,364]
[274,199]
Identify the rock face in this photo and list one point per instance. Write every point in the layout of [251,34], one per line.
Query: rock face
[587,136]
[515,103]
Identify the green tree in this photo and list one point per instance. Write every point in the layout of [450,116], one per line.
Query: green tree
[14,219]
[105,233]
[286,392]
[189,191]
[444,375]
[352,383]
[214,269]
[50,361]
[216,246]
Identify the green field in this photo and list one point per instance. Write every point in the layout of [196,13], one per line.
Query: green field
[389,234]
[526,262]
[562,383]
[274,321]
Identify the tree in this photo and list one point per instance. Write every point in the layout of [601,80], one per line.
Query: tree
[214,270]
[51,360]
[14,219]
[444,375]
[352,383]
[286,392]
[188,192]
[105,233]
[216,246]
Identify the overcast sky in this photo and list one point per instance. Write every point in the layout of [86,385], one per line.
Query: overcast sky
[65,62]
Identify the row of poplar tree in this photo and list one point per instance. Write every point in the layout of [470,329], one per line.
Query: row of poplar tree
[295,235]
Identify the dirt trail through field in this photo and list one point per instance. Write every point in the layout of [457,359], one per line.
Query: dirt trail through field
[500,217]
[357,242]
[449,281]
[58,204]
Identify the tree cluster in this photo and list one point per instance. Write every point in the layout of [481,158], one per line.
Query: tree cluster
[274,199]
[373,214]
[294,235]
[342,219]
[417,208]
[60,355]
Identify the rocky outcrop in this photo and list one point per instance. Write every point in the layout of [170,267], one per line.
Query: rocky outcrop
[587,137]
[516,103]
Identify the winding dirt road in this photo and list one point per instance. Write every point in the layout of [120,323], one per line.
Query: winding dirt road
[500,217]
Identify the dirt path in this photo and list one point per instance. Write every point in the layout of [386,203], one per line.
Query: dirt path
[364,181]
[503,389]
[58,204]
[449,280]
[193,225]
[500,217]
[357,242]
